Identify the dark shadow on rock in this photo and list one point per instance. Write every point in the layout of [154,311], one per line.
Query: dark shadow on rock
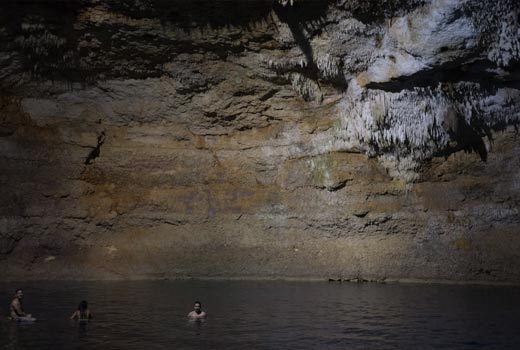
[43,36]
[190,14]
[34,20]
[107,46]
[304,20]
[378,11]
[299,19]
[482,72]
[469,138]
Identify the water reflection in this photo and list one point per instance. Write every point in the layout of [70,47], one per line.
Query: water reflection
[197,325]
[83,329]
[12,338]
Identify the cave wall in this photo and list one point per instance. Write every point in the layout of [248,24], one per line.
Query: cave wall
[323,139]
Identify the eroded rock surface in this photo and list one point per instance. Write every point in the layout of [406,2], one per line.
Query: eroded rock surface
[311,139]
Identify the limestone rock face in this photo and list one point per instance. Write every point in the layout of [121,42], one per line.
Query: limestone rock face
[346,139]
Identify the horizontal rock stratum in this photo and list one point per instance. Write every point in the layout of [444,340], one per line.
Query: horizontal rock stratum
[343,139]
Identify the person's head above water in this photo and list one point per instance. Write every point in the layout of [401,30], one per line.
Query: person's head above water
[18,294]
[197,307]
[197,312]
[83,305]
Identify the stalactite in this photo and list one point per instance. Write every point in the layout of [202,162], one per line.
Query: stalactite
[305,87]
[412,126]
[285,2]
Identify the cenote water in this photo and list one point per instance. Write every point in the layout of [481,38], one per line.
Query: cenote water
[265,315]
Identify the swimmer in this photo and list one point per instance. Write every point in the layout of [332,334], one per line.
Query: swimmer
[17,311]
[82,314]
[197,312]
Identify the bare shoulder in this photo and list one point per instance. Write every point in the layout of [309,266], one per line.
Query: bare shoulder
[193,314]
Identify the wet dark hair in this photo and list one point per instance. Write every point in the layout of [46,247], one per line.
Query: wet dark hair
[198,302]
[18,290]
[83,305]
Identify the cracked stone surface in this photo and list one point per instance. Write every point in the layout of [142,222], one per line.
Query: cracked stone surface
[348,139]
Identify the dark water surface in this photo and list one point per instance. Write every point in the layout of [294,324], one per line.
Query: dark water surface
[265,315]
